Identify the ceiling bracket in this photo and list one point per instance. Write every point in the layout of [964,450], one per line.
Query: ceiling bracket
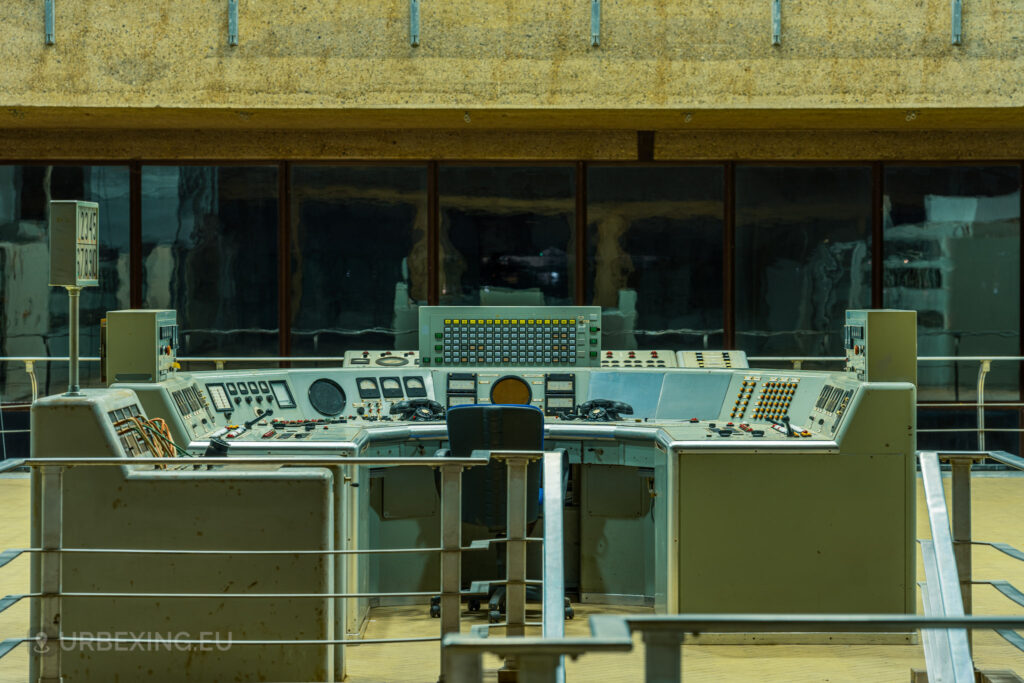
[595,23]
[233,23]
[414,23]
[49,20]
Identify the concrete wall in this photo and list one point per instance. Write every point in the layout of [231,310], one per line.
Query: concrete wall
[506,65]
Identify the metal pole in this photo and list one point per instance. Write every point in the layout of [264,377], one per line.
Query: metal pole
[73,296]
[451,560]
[515,546]
[50,584]
[339,570]
[663,657]
[554,549]
[538,668]
[463,666]
[983,370]
[962,532]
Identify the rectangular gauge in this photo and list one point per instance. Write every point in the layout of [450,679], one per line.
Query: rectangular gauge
[461,401]
[282,394]
[414,387]
[391,387]
[560,403]
[264,388]
[367,387]
[232,389]
[462,382]
[253,389]
[560,383]
[219,397]
[242,389]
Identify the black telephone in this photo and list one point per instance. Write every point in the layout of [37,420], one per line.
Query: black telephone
[418,409]
[604,410]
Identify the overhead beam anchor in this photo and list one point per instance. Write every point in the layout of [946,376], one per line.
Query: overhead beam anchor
[776,22]
[48,13]
[957,37]
[233,23]
[595,23]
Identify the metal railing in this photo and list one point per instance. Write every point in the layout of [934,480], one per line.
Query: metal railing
[51,549]
[944,627]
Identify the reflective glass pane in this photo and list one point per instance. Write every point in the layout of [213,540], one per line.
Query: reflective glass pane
[359,257]
[952,253]
[507,235]
[209,250]
[803,256]
[33,314]
[654,245]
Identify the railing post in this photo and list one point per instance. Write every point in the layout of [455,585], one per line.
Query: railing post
[961,467]
[663,657]
[50,579]
[30,368]
[540,668]
[515,545]
[451,558]
[983,370]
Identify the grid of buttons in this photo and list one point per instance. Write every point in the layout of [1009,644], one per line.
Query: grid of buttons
[776,395]
[638,359]
[511,341]
[743,397]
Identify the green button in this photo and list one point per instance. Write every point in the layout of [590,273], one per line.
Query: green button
[437,335]
[593,342]
[438,347]
[426,361]
[593,354]
[594,329]
[437,361]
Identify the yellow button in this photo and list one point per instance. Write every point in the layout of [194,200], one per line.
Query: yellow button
[447,322]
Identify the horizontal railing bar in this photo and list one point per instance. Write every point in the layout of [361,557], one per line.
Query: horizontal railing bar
[968,429]
[144,551]
[1004,548]
[1007,589]
[6,465]
[704,623]
[1007,459]
[1012,637]
[213,641]
[249,596]
[311,461]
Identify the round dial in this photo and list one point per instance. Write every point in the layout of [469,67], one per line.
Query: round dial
[511,390]
[326,397]
[392,361]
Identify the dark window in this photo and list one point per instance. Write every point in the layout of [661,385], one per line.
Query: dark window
[803,256]
[359,257]
[34,315]
[654,245]
[209,250]
[507,235]
[952,253]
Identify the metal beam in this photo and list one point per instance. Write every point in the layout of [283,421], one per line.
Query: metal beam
[776,22]
[233,23]
[958,24]
[414,23]
[48,11]
[595,23]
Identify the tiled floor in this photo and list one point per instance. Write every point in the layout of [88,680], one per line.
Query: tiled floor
[998,508]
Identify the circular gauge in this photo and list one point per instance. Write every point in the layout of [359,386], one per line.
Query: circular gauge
[326,397]
[392,361]
[510,390]
[414,383]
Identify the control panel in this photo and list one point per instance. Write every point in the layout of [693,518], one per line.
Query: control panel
[381,359]
[510,336]
[712,359]
[141,345]
[660,358]
[881,345]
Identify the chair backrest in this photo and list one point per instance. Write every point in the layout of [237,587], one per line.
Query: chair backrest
[495,427]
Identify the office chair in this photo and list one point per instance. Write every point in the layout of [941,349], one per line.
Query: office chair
[484,494]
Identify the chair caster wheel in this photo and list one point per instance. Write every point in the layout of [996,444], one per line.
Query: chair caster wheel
[494,616]
[474,605]
[569,613]
[435,611]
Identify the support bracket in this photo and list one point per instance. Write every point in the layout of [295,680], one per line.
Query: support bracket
[595,23]
[776,22]
[414,23]
[958,23]
[49,20]
[233,23]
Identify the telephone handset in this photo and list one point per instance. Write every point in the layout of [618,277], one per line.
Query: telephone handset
[604,410]
[418,409]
